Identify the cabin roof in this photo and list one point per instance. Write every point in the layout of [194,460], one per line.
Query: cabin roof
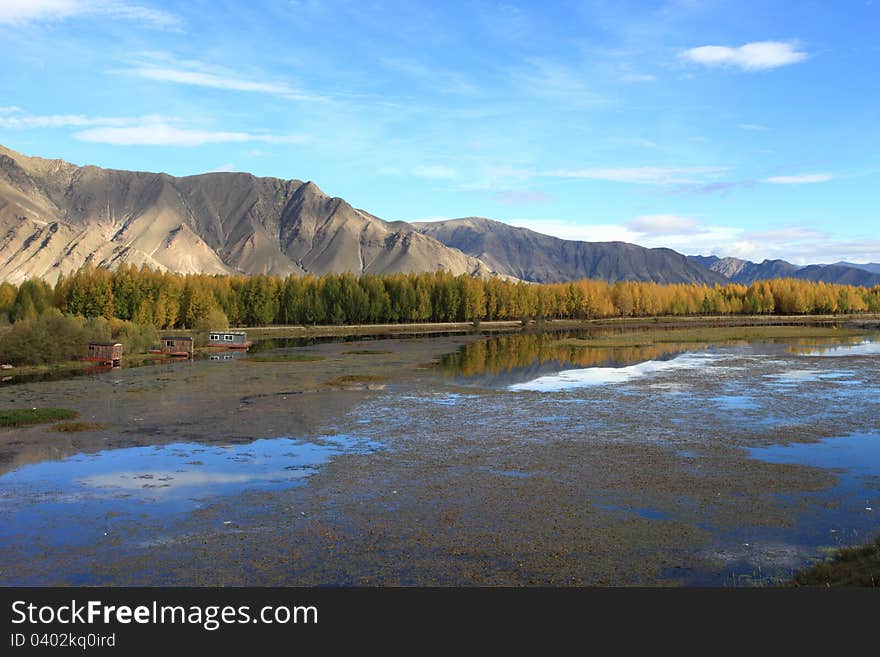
[176,337]
[229,332]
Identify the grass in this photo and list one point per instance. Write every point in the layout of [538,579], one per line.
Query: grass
[349,379]
[19,417]
[367,352]
[283,358]
[709,334]
[73,427]
[852,566]
[62,367]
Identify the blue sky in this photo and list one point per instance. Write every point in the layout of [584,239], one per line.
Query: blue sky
[745,129]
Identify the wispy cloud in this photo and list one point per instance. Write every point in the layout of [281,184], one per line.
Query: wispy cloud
[550,79]
[721,187]
[639,141]
[25,121]
[10,109]
[786,234]
[229,167]
[637,77]
[20,12]
[198,74]
[149,130]
[439,80]
[639,175]
[755,127]
[435,172]
[164,134]
[803,179]
[521,197]
[756,56]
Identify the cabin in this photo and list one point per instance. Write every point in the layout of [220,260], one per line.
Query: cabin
[228,339]
[176,346]
[106,353]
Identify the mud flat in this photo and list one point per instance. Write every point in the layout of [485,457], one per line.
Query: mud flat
[453,461]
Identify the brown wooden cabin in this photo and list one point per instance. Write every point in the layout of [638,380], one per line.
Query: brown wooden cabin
[106,353]
[176,346]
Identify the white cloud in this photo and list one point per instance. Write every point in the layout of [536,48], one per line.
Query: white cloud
[796,244]
[10,109]
[802,179]
[755,127]
[435,172]
[20,12]
[790,234]
[163,134]
[578,231]
[196,75]
[638,175]
[25,121]
[760,55]
[637,77]
[662,224]
[229,167]
[142,130]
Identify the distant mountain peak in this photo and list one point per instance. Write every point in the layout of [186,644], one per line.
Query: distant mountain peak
[746,272]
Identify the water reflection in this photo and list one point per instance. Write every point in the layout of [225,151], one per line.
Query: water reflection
[555,360]
[523,356]
[594,376]
[67,502]
[855,348]
[850,508]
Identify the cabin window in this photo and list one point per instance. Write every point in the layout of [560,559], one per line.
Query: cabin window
[169,343]
[228,337]
[215,336]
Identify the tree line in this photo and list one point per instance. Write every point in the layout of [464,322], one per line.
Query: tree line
[166,300]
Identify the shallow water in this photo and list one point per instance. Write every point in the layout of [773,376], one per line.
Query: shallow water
[759,389]
[716,463]
[82,499]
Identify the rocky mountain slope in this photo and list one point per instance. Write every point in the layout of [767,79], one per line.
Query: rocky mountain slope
[531,256]
[56,216]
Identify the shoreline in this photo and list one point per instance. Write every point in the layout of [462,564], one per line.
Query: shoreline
[704,321]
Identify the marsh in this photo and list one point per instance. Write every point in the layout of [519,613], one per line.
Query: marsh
[529,458]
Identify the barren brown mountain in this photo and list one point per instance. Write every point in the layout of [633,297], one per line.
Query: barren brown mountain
[56,216]
[525,254]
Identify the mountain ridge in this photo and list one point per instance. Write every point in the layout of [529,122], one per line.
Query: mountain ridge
[56,216]
[533,256]
[746,272]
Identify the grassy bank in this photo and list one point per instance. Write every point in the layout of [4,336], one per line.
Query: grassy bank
[704,334]
[854,566]
[854,322]
[69,367]
[20,417]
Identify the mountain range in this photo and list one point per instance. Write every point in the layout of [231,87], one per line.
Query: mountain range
[746,272]
[56,216]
